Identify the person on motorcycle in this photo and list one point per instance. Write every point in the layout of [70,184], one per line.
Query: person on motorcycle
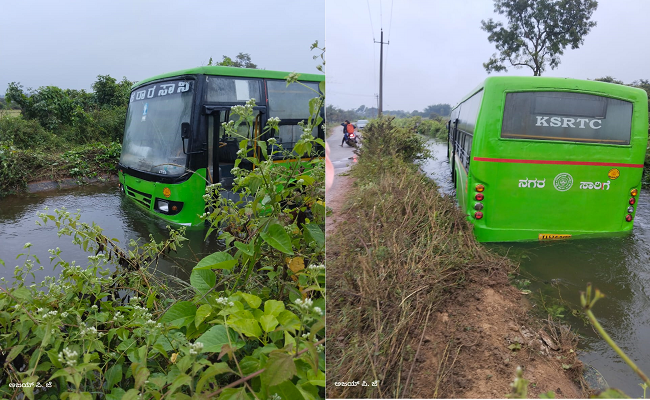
[348,128]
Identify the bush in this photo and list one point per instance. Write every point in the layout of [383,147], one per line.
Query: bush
[383,140]
[25,134]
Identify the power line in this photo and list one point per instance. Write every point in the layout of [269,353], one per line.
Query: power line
[390,24]
[370,15]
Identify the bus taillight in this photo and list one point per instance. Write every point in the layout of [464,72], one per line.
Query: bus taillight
[632,201]
[628,218]
[480,188]
[479,197]
[478,206]
[478,215]
[630,209]
[634,192]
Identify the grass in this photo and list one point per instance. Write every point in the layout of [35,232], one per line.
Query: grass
[403,249]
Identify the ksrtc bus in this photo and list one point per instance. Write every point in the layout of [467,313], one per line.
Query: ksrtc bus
[174,142]
[535,158]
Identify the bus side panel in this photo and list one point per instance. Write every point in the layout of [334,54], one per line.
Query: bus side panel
[189,192]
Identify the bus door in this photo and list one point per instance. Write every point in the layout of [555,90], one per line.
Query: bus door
[223,148]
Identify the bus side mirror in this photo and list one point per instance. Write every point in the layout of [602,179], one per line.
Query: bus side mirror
[186,130]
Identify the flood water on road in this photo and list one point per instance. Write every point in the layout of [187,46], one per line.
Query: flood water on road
[103,204]
[558,271]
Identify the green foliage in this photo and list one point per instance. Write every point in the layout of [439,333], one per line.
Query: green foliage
[18,166]
[116,327]
[26,134]
[243,60]
[74,115]
[385,140]
[537,32]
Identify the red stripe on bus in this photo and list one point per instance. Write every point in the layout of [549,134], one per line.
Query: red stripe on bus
[599,164]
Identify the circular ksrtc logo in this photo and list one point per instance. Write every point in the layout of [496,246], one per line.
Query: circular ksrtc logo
[563,182]
[613,173]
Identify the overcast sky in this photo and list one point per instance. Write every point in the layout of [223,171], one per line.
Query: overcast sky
[68,43]
[437,49]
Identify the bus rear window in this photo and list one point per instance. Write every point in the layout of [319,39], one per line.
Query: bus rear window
[573,117]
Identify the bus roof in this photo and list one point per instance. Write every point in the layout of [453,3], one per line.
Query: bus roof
[540,83]
[233,71]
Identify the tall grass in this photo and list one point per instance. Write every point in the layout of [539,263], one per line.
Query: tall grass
[391,264]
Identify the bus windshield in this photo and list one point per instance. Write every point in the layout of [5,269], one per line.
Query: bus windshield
[566,116]
[152,137]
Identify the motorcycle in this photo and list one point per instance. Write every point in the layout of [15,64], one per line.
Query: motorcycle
[351,140]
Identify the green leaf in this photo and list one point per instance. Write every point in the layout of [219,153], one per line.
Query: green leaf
[289,321]
[273,307]
[234,394]
[14,352]
[219,260]
[314,233]
[251,299]
[268,322]
[180,380]
[140,373]
[180,310]
[279,368]
[287,390]
[116,394]
[245,248]
[213,370]
[202,313]
[278,238]
[247,326]
[113,375]
[214,338]
[203,280]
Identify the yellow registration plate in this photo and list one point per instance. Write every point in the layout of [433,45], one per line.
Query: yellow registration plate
[552,236]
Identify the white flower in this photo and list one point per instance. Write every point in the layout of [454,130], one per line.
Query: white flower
[318,311]
[316,267]
[196,347]
[94,307]
[69,357]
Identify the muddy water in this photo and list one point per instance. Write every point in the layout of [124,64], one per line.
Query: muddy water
[558,271]
[102,204]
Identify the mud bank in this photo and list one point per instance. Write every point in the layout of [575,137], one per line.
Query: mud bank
[43,186]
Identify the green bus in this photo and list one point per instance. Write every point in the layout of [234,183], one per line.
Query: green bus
[536,158]
[174,142]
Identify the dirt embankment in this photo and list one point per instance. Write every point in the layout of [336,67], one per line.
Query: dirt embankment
[462,340]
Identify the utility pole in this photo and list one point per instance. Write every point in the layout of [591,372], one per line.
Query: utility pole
[381,71]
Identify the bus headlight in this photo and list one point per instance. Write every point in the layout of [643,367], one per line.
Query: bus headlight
[167,206]
[163,206]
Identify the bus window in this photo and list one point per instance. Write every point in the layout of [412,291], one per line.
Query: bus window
[290,102]
[469,113]
[566,116]
[152,136]
[232,90]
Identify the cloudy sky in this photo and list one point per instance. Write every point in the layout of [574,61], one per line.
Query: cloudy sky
[437,49]
[67,43]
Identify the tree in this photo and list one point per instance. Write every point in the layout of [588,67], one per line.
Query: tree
[243,60]
[538,31]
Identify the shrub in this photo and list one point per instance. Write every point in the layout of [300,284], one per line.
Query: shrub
[25,134]
[382,140]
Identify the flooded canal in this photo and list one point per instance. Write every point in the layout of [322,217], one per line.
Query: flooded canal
[101,204]
[558,271]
